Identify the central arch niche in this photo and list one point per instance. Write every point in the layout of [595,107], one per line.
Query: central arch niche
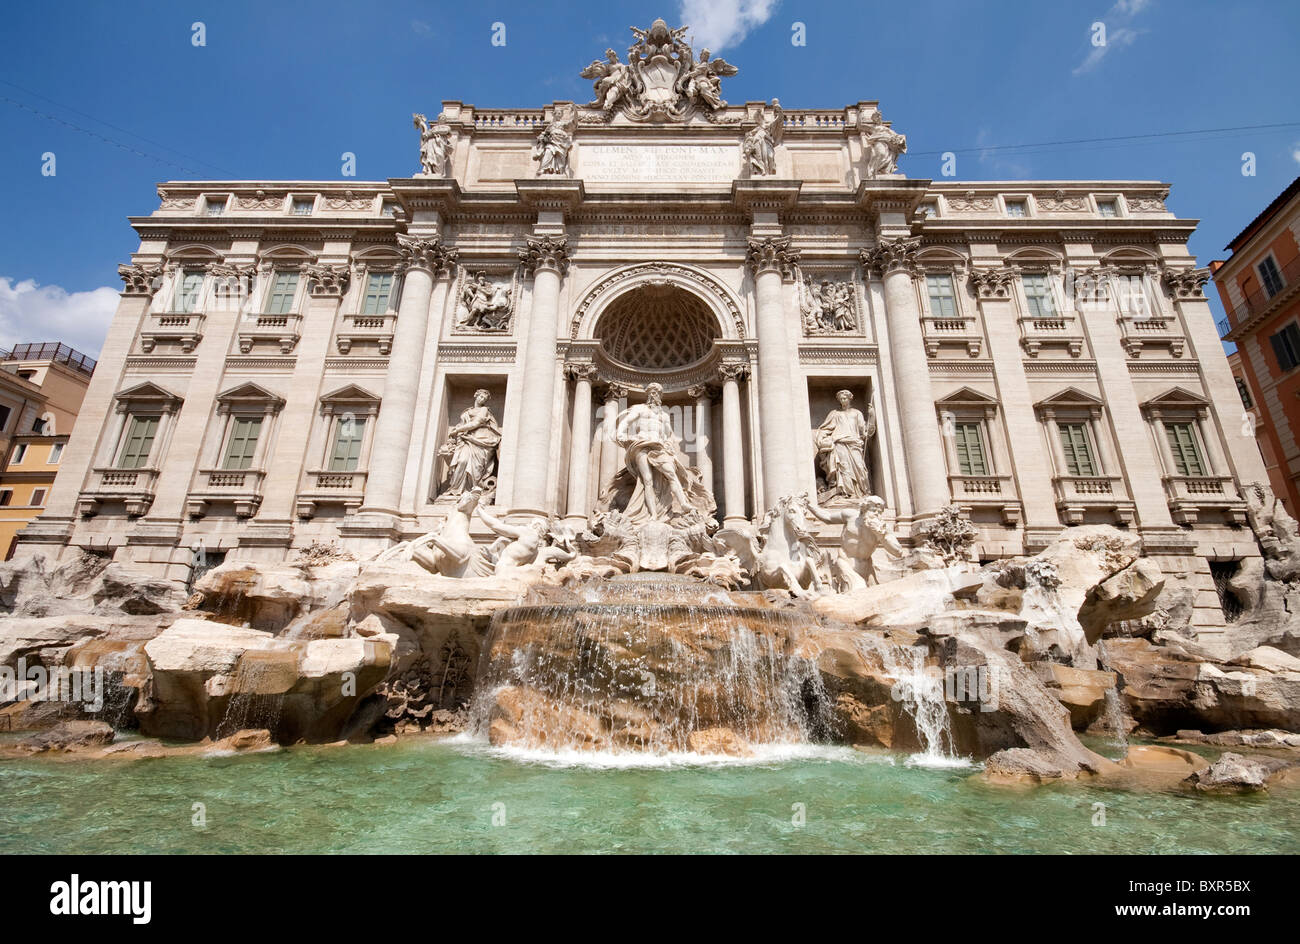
[657,329]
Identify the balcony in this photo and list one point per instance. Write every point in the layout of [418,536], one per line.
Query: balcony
[240,487]
[957,332]
[133,487]
[986,491]
[51,351]
[367,329]
[1140,330]
[1051,330]
[1259,303]
[1189,495]
[1077,495]
[281,330]
[181,328]
[332,488]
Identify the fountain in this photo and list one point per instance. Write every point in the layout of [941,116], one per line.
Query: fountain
[648,662]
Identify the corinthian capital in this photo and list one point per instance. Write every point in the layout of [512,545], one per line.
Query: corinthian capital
[1187,283]
[772,254]
[140,279]
[327,281]
[426,253]
[892,255]
[545,252]
[993,283]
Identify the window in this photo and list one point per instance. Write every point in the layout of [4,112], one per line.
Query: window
[56,453]
[6,496]
[388,208]
[1182,443]
[1244,392]
[138,443]
[284,285]
[302,206]
[187,290]
[1270,276]
[379,288]
[347,445]
[38,498]
[4,417]
[20,453]
[1039,295]
[1017,208]
[969,441]
[1107,208]
[1131,295]
[214,206]
[943,301]
[1286,346]
[41,425]
[1077,449]
[243,442]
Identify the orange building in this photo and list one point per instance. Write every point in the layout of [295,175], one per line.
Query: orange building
[41,389]
[1260,288]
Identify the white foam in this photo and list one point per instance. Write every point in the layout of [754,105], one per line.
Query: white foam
[763,754]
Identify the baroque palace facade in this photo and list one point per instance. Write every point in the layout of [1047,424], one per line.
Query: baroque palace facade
[300,362]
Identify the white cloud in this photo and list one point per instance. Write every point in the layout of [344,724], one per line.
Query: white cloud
[1295,152]
[1118,33]
[722,24]
[422,28]
[31,312]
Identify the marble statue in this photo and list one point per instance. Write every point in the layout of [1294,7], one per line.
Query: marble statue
[471,447]
[702,81]
[521,546]
[759,147]
[614,81]
[827,308]
[841,442]
[487,304]
[865,529]
[883,147]
[782,553]
[656,482]
[450,551]
[554,143]
[435,146]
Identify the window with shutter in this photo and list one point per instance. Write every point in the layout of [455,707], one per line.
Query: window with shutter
[243,442]
[347,446]
[1039,295]
[187,291]
[1286,346]
[284,285]
[1078,451]
[1182,443]
[943,303]
[1270,276]
[969,441]
[138,443]
[379,286]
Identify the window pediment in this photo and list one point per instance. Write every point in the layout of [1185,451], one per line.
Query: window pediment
[147,396]
[1176,400]
[249,397]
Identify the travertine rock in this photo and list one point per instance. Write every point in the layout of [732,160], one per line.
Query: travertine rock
[1231,773]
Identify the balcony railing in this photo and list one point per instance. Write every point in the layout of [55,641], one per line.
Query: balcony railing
[51,351]
[133,487]
[1188,495]
[1259,300]
[986,491]
[332,488]
[243,487]
[1077,494]
[284,330]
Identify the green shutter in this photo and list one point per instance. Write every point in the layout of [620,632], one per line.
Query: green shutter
[187,292]
[243,442]
[284,285]
[1078,454]
[970,449]
[379,285]
[347,446]
[942,302]
[1182,443]
[138,443]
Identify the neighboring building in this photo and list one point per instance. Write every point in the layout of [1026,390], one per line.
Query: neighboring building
[1260,288]
[41,389]
[290,360]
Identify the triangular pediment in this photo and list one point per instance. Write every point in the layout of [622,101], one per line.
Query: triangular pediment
[148,390]
[1176,398]
[967,396]
[250,393]
[1071,396]
[350,394]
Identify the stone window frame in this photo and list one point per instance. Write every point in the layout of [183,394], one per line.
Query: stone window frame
[1004,199]
[1180,405]
[291,204]
[143,399]
[333,408]
[1073,405]
[207,201]
[244,400]
[966,309]
[1151,290]
[1121,208]
[376,262]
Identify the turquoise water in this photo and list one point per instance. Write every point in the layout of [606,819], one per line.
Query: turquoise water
[423,796]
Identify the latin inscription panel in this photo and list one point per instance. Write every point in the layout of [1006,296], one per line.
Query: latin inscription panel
[651,163]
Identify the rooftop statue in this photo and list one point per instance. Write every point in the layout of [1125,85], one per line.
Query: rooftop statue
[435,146]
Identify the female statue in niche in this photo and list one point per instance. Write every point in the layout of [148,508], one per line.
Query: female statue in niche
[841,443]
[471,447]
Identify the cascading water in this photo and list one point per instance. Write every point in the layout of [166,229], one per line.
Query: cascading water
[920,690]
[255,703]
[651,663]
[1113,705]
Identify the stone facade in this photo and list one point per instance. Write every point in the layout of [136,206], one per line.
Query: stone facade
[305,355]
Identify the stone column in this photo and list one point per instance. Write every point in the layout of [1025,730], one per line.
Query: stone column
[424,258]
[733,450]
[580,443]
[609,450]
[546,258]
[769,259]
[894,260]
[703,431]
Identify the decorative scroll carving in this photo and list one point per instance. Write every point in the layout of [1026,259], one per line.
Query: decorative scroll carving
[993,283]
[140,278]
[545,252]
[1187,284]
[426,253]
[773,253]
[327,281]
[892,255]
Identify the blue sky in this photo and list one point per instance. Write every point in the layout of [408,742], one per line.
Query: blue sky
[282,90]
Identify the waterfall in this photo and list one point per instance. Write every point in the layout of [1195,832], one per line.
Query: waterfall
[920,690]
[252,705]
[1114,704]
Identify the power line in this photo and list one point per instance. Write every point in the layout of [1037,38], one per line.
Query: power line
[117,128]
[1117,138]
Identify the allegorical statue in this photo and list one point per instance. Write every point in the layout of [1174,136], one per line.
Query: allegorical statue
[435,146]
[656,483]
[703,81]
[883,146]
[828,307]
[759,146]
[841,443]
[613,80]
[471,447]
[487,304]
[554,143]
[520,546]
[865,529]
